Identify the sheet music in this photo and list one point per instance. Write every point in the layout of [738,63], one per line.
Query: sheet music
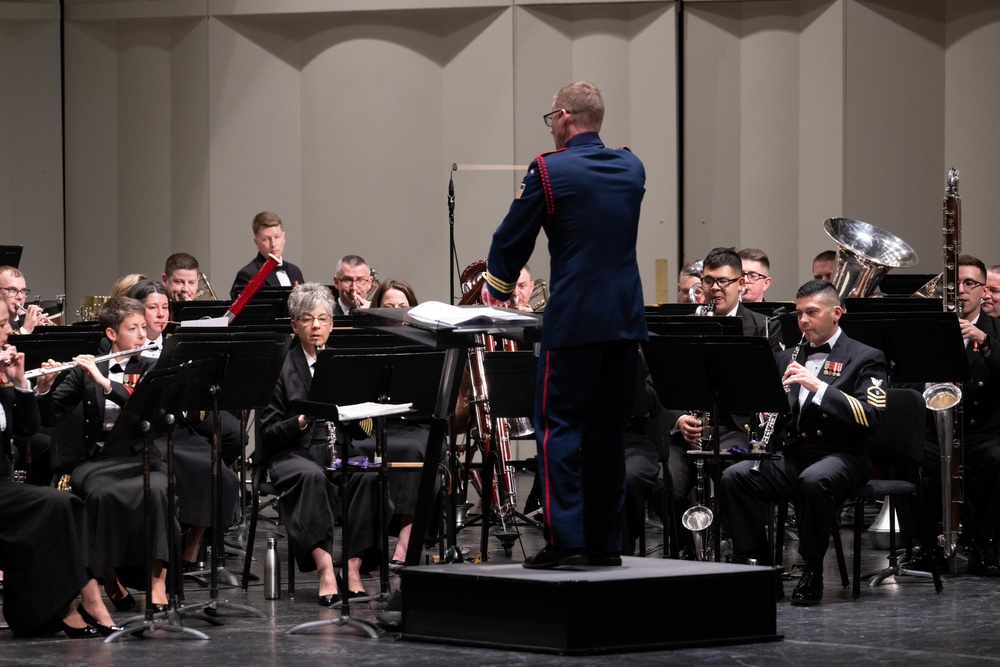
[207,322]
[435,312]
[369,409]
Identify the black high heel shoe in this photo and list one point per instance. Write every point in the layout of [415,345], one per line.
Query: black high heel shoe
[329,600]
[103,630]
[86,632]
[123,603]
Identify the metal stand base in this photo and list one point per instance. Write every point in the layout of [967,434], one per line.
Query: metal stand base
[171,622]
[344,620]
[212,608]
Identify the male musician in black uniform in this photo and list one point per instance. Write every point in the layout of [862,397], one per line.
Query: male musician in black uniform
[13,290]
[352,280]
[991,294]
[269,237]
[836,398]
[756,270]
[180,277]
[587,198]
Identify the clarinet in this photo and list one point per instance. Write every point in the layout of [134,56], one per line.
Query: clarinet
[773,417]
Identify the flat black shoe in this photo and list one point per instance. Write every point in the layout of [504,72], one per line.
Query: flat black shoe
[159,608]
[329,600]
[103,630]
[605,559]
[123,604]
[86,632]
[550,557]
[353,595]
[809,590]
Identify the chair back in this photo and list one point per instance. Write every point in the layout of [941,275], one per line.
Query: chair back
[899,439]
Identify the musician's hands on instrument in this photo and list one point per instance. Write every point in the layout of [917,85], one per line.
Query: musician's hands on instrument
[971,332]
[33,317]
[796,373]
[44,382]
[12,365]
[690,429]
[87,363]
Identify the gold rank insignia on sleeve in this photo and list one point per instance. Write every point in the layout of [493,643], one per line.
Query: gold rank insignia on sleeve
[858,410]
[366,425]
[876,394]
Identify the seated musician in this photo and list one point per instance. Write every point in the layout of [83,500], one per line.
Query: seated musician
[690,278]
[43,537]
[296,449]
[756,270]
[980,431]
[353,279]
[127,282]
[991,295]
[722,281]
[13,291]
[108,472]
[192,442]
[406,439]
[180,277]
[837,395]
[269,237]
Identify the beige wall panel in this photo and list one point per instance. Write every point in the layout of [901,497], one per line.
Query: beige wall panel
[712,127]
[769,101]
[31,151]
[972,142]
[255,151]
[821,135]
[894,120]
[91,156]
[144,143]
[189,141]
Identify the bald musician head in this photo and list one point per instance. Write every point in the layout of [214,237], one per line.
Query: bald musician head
[991,296]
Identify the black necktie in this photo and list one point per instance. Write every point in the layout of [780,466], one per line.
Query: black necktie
[819,349]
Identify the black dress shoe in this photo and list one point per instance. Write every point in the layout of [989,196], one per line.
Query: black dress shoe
[103,630]
[123,604]
[605,559]
[353,595]
[85,632]
[809,590]
[329,600]
[982,558]
[160,608]
[550,557]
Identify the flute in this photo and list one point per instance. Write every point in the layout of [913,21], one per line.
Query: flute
[72,364]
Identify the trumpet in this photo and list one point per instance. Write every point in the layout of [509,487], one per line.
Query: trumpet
[46,318]
[72,364]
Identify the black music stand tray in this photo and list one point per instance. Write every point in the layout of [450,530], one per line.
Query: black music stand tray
[372,378]
[160,395]
[510,377]
[246,370]
[904,338]
[719,373]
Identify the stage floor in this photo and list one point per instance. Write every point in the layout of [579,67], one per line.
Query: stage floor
[898,623]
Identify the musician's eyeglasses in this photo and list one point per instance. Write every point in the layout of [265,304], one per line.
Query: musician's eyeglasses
[709,282]
[971,284]
[548,117]
[753,276]
[13,291]
[348,280]
[308,320]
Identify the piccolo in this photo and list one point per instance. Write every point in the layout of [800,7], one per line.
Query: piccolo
[72,364]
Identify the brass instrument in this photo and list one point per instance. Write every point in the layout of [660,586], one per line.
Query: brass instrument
[698,519]
[945,400]
[504,491]
[373,287]
[865,253]
[204,286]
[538,298]
[89,307]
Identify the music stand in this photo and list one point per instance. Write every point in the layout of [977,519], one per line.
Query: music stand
[692,325]
[735,374]
[10,255]
[246,370]
[904,338]
[375,378]
[159,396]
[510,377]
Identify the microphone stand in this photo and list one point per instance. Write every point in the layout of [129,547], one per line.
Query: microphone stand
[451,232]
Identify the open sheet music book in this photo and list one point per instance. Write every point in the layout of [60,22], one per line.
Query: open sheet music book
[369,409]
[435,312]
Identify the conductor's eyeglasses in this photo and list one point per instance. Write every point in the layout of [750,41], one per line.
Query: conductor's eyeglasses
[709,282]
[548,117]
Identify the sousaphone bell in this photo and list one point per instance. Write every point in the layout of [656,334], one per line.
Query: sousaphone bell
[865,253]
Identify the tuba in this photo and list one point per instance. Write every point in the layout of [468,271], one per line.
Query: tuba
[865,253]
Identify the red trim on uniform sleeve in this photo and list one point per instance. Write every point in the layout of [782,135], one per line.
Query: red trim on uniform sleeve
[543,173]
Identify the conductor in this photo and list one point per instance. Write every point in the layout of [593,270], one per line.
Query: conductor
[587,198]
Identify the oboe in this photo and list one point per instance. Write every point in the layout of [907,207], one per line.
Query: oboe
[773,417]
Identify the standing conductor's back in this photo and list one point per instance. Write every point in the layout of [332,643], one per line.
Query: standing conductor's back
[587,199]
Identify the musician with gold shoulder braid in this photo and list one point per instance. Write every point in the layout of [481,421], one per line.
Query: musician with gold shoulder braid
[837,397]
[587,199]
